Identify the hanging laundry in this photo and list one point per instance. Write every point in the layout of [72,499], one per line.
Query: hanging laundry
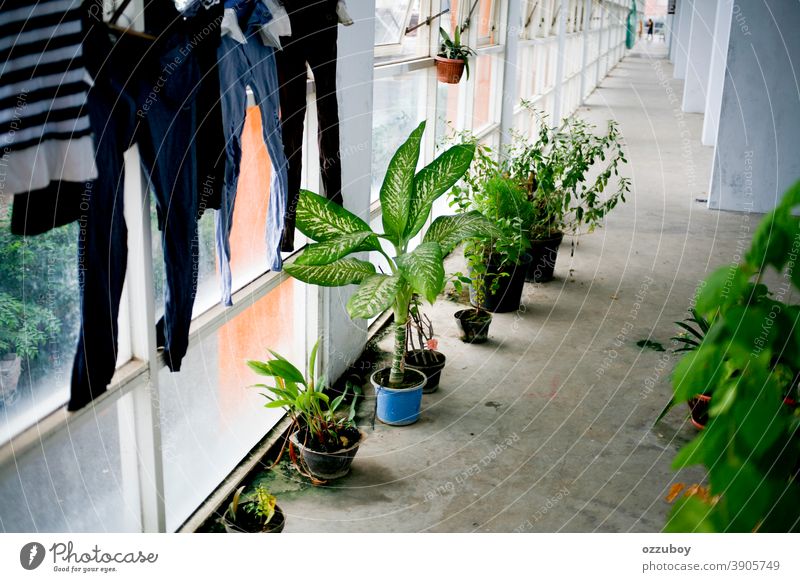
[313,41]
[244,60]
[45,132]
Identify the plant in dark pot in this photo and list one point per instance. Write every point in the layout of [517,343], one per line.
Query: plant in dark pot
[257,512]
[421,347]
[497,263]
[407,199]
[453,57]
[324,441]
[565,172]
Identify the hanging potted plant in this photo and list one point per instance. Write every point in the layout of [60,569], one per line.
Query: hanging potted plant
[324,441]
[406,201]
[254,513]
[421,347]
[555,171]
[453,57]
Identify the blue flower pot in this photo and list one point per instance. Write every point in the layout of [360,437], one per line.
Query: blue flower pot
[398,406]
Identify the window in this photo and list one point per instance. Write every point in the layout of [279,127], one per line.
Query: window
[392,19]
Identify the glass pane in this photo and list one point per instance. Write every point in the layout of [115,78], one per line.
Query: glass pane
[248,246]
[399,106]
[390,20]
[210,419]
[75,482]
[39,322]
[482,113]
[486,23]
[391,40]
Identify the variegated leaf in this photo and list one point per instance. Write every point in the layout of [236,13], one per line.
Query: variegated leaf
[434,180]
[320,219]
[336,274]
[449,231]
[424,269]
[398,186]
[376,294]
[334,249]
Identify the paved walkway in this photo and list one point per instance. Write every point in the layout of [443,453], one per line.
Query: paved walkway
[548,426]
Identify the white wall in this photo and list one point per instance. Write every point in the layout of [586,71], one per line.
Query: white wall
[682,44]
[344,337]
[701,37]
[716,74]
[756,156]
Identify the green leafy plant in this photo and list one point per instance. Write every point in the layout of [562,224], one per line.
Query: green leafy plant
[258,508]
[749,359]
[24,329]
[555,170]
[406,201]
[307,405]
[451,48]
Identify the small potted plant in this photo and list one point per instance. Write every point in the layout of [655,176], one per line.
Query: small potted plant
[254,513]
[421,347]
[473,323]
[453,57]
[565,172]
[324,441]
[407,199]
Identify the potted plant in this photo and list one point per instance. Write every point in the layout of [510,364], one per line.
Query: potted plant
[421,353]
[324,442]
[255,513]
[555,171]
[453,57]
[406,200]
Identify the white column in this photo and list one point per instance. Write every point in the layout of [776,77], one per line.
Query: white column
[716,75]
[675,30]
[756,157]
[562,47]
[682,46]
[345,338]
[587,20]
[513,26]
[701,36]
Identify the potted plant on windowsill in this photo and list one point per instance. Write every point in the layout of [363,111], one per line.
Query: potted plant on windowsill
[254,513]
[324,441]
[453,57]
[421,353]
[406,202]
[555,171]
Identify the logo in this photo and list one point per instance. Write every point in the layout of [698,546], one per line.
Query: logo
[31,555]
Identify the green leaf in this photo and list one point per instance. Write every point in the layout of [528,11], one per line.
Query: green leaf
[690,514]
[324,253]
[450,231]
[698,372]
[336,274]
[262,369]
[286,370]
[722,287]
[398,186]
[376,295]
[424,269]
[320,219]
[434,180]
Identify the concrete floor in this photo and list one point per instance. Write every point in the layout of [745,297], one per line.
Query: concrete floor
[548,426]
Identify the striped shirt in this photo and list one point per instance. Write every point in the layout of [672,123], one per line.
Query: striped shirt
[45,134]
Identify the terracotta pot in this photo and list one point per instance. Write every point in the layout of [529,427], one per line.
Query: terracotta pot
[698,406]
[449,70]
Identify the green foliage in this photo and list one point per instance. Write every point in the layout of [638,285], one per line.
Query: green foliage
[749,358]
[556,170]
[451,48]
[407,198]
[304,400]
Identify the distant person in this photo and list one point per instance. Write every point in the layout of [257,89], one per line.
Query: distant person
[650,25]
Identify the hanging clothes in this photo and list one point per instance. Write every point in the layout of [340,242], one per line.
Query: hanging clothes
[244,60]
[45,131]
[313,41]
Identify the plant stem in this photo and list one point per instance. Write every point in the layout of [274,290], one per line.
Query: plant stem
[396,374]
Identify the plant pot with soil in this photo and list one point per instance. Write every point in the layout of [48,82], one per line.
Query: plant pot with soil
[544,253]
[325,439]
[421,348]
[473,325]
[407,199]
[257,512]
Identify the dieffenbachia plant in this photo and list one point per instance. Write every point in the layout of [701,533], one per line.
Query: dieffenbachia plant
[407,198]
